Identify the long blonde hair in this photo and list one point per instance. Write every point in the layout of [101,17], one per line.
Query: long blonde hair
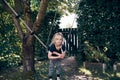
[57,34]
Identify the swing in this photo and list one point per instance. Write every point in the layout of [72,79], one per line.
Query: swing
[48,39]
[33,33]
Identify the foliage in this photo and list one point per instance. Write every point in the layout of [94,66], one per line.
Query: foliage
[95,55]
[10,60]
[60,5]
[85,71]
[99,24]
[10,45]
[35,5]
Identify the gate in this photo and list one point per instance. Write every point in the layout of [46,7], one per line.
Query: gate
[71,42]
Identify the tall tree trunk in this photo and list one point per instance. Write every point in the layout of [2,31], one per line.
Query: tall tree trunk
[28,43]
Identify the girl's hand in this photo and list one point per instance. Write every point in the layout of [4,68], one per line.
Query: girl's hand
[59,56]
[62,56]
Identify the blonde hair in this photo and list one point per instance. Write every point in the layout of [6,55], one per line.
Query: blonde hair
[57,34]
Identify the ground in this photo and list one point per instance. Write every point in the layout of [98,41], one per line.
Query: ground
[70,68]
[71,71]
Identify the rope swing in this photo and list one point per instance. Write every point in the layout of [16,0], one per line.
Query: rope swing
[51,28]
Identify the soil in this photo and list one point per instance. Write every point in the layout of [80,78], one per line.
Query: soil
[70,68]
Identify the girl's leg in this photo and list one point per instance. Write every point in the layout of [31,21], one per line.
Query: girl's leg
[58,67]
[51,69]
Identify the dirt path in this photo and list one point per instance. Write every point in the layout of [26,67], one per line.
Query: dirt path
[69,65]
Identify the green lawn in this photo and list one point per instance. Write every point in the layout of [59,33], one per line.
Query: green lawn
[42,73]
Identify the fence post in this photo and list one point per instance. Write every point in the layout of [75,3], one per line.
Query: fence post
[104,67]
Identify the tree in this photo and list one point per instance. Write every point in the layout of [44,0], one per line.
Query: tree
[27,39]
[99,26]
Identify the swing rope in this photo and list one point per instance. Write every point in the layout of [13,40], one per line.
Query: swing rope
[17,16]
[48,39]
[70,32]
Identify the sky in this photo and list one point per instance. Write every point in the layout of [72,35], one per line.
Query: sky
[68,21]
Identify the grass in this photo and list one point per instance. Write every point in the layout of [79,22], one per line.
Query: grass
[17,74]
[99,75]
[42,73]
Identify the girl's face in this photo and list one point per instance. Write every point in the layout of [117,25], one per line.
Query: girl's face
[58,40]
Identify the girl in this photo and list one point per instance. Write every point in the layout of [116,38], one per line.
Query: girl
[55,54]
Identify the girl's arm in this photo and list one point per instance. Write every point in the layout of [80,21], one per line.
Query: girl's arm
[56,53]
[63,54]
[53,57]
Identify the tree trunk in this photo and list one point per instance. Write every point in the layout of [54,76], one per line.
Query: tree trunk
[28,57]
[28,44]
[28,41]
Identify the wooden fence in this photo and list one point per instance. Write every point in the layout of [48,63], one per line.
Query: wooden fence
[71,40]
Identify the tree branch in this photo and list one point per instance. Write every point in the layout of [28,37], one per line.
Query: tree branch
[19,10]
[40,15]
[39,19]
[18,27]
[27,14]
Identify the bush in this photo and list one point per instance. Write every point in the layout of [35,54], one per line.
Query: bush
[9,61]
[98,25]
